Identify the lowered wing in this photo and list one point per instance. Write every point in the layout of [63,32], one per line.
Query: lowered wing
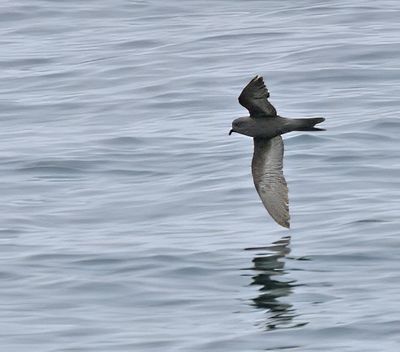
[269,180]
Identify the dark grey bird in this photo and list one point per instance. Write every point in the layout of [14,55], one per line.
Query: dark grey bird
[266,128]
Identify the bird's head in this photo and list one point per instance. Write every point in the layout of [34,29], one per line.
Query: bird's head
[243,125]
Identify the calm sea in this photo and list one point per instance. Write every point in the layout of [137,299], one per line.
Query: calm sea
[128,217]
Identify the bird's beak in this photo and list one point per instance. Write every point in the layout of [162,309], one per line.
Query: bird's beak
[230,132]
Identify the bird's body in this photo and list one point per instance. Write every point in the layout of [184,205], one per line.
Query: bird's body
[266,128]
[270,127]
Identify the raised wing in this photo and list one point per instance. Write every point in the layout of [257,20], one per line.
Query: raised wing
[254,97]
[269,180]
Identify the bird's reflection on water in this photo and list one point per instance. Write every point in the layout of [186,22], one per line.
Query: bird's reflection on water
[269,265]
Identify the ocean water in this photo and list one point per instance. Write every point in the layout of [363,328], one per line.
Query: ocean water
[128,217]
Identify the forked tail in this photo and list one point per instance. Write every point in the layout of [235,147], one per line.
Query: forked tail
[308,124]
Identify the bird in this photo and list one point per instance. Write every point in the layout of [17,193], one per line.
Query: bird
[265,126]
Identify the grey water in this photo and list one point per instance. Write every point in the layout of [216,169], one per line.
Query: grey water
[128,217]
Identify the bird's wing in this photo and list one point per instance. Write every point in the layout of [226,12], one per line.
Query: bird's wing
[268,178]
[254,97]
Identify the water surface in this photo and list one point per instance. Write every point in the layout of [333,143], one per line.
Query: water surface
[129,221]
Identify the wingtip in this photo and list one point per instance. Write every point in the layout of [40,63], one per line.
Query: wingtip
[285,224]
[282,221]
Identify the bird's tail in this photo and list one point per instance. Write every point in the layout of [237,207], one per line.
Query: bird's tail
[309,124]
